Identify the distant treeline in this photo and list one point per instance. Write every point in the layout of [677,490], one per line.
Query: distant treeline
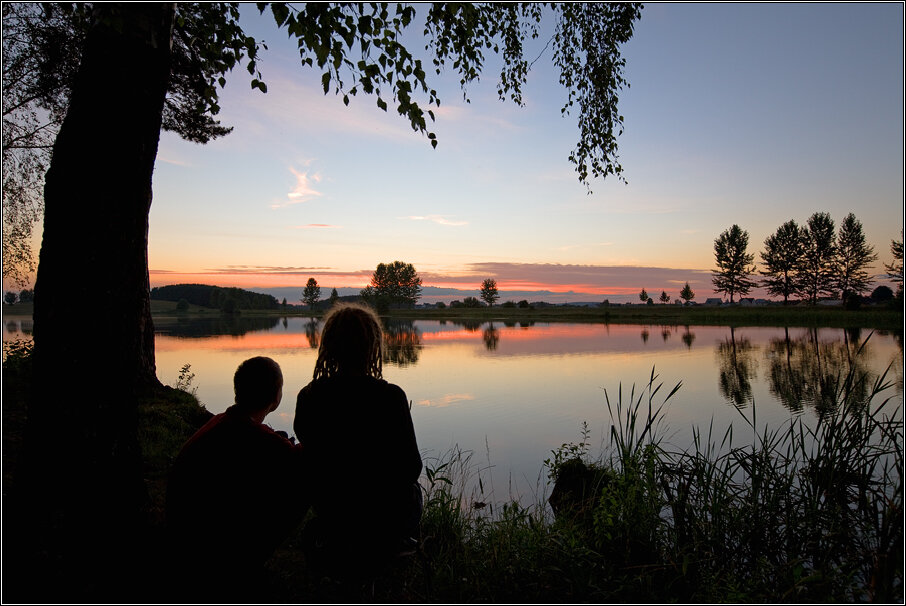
[228,299]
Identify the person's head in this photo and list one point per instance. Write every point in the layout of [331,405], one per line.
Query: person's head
[350,342]
[258,385]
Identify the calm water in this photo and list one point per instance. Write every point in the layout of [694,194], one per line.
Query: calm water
[511,393]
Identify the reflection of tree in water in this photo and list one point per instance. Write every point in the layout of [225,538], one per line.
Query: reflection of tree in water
[312,334]
[491,337]
[665,333]
[285,322]
[737,369]
[526,323]
[220,324]
[645,334]
[688,338]
[807,372]
[402,342]
[469,325]
[896,359]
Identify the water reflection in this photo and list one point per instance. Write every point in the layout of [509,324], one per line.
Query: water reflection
[491,337]
[312,333]
[737,368]
[402,342]
[806,371]
[225,324]
[688,338]
[645,334]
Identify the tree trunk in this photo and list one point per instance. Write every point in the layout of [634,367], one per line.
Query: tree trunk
[94,339]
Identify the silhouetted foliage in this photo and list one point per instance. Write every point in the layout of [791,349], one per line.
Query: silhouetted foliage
[733,263]
[817,266]
[394,284]
[311,294]
[895,269]
[687,294]
[664,298]
[643,296]
[215,297]
[488,291]
[882,293]
[853,258]
[782,258]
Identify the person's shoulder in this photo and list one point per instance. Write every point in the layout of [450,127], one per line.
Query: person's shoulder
[391,390]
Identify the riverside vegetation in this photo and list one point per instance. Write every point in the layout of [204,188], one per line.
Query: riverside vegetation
[802,513]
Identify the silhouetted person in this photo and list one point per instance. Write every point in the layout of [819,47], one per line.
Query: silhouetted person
[360,442]
[234,492]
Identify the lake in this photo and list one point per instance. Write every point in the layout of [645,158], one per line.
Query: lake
[510,393]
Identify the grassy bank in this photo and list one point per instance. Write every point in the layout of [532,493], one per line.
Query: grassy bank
[809,512]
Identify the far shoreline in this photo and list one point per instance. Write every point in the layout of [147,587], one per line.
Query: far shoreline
[880,316]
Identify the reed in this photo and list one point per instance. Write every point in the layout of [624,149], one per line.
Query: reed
[811,511]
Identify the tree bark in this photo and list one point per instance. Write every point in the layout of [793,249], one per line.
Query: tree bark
[94,338]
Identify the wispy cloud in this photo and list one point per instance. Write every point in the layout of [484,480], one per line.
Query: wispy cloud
[258,269]
[439,219]
[173,161]
[315,226]
[304,190]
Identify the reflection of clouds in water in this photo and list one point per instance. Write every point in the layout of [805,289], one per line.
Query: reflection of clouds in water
[447,400]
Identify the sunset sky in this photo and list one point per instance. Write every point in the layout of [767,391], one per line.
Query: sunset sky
[751,114]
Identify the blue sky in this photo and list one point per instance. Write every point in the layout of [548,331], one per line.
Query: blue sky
[751,114]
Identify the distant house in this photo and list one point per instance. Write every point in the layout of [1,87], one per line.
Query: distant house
[762,302]
[747,301]
[678,302]
[714,301]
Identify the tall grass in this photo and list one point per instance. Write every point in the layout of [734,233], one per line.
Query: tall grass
[810,511]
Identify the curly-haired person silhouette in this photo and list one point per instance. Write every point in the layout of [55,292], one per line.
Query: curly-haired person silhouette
[359,440]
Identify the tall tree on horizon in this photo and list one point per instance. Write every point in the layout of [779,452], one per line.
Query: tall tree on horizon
[895,269]
[687,294]
[311,294]
[488,291]
[665,298]
[733,263]
[817,265]
[643,296]
[853,258]
[393,284]
[782,258]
